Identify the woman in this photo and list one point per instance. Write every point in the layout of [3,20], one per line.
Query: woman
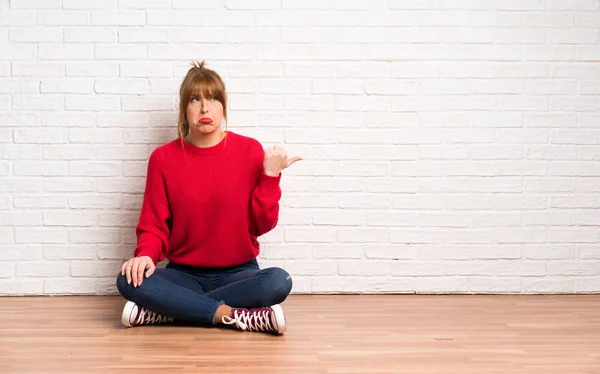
[209,194]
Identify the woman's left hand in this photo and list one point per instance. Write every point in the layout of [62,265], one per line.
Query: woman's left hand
[276,160]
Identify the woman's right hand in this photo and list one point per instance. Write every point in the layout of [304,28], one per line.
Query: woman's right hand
[133,269]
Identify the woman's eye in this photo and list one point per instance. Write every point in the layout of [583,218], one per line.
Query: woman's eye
[196,99]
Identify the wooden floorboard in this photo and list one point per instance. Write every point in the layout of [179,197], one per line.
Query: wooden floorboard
[326,334]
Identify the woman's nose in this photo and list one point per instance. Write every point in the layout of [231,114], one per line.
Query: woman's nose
[205,105]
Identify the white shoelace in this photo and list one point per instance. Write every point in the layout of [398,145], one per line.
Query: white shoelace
[255,321]
[148,317]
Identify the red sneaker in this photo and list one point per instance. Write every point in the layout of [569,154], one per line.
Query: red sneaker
[135,315]
[269,319]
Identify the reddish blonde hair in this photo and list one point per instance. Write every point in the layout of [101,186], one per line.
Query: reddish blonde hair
[199,82]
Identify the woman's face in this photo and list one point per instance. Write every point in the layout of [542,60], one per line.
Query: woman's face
[204,115]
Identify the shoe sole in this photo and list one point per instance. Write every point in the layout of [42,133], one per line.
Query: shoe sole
[127,309]
[279,317]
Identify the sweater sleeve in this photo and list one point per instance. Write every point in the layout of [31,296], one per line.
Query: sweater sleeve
[154,225]
[264,202]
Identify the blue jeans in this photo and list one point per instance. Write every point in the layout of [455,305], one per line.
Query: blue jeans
[193,294]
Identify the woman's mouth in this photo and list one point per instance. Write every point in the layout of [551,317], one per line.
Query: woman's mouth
[205,121]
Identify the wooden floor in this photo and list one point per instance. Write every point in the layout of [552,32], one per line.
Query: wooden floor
[326,334]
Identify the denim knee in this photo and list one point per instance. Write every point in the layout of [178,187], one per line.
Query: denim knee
[122,285]
[281,285]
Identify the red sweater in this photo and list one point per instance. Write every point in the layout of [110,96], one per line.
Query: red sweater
[207,206]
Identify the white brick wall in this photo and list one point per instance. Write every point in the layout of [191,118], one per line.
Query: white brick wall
[450,146]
